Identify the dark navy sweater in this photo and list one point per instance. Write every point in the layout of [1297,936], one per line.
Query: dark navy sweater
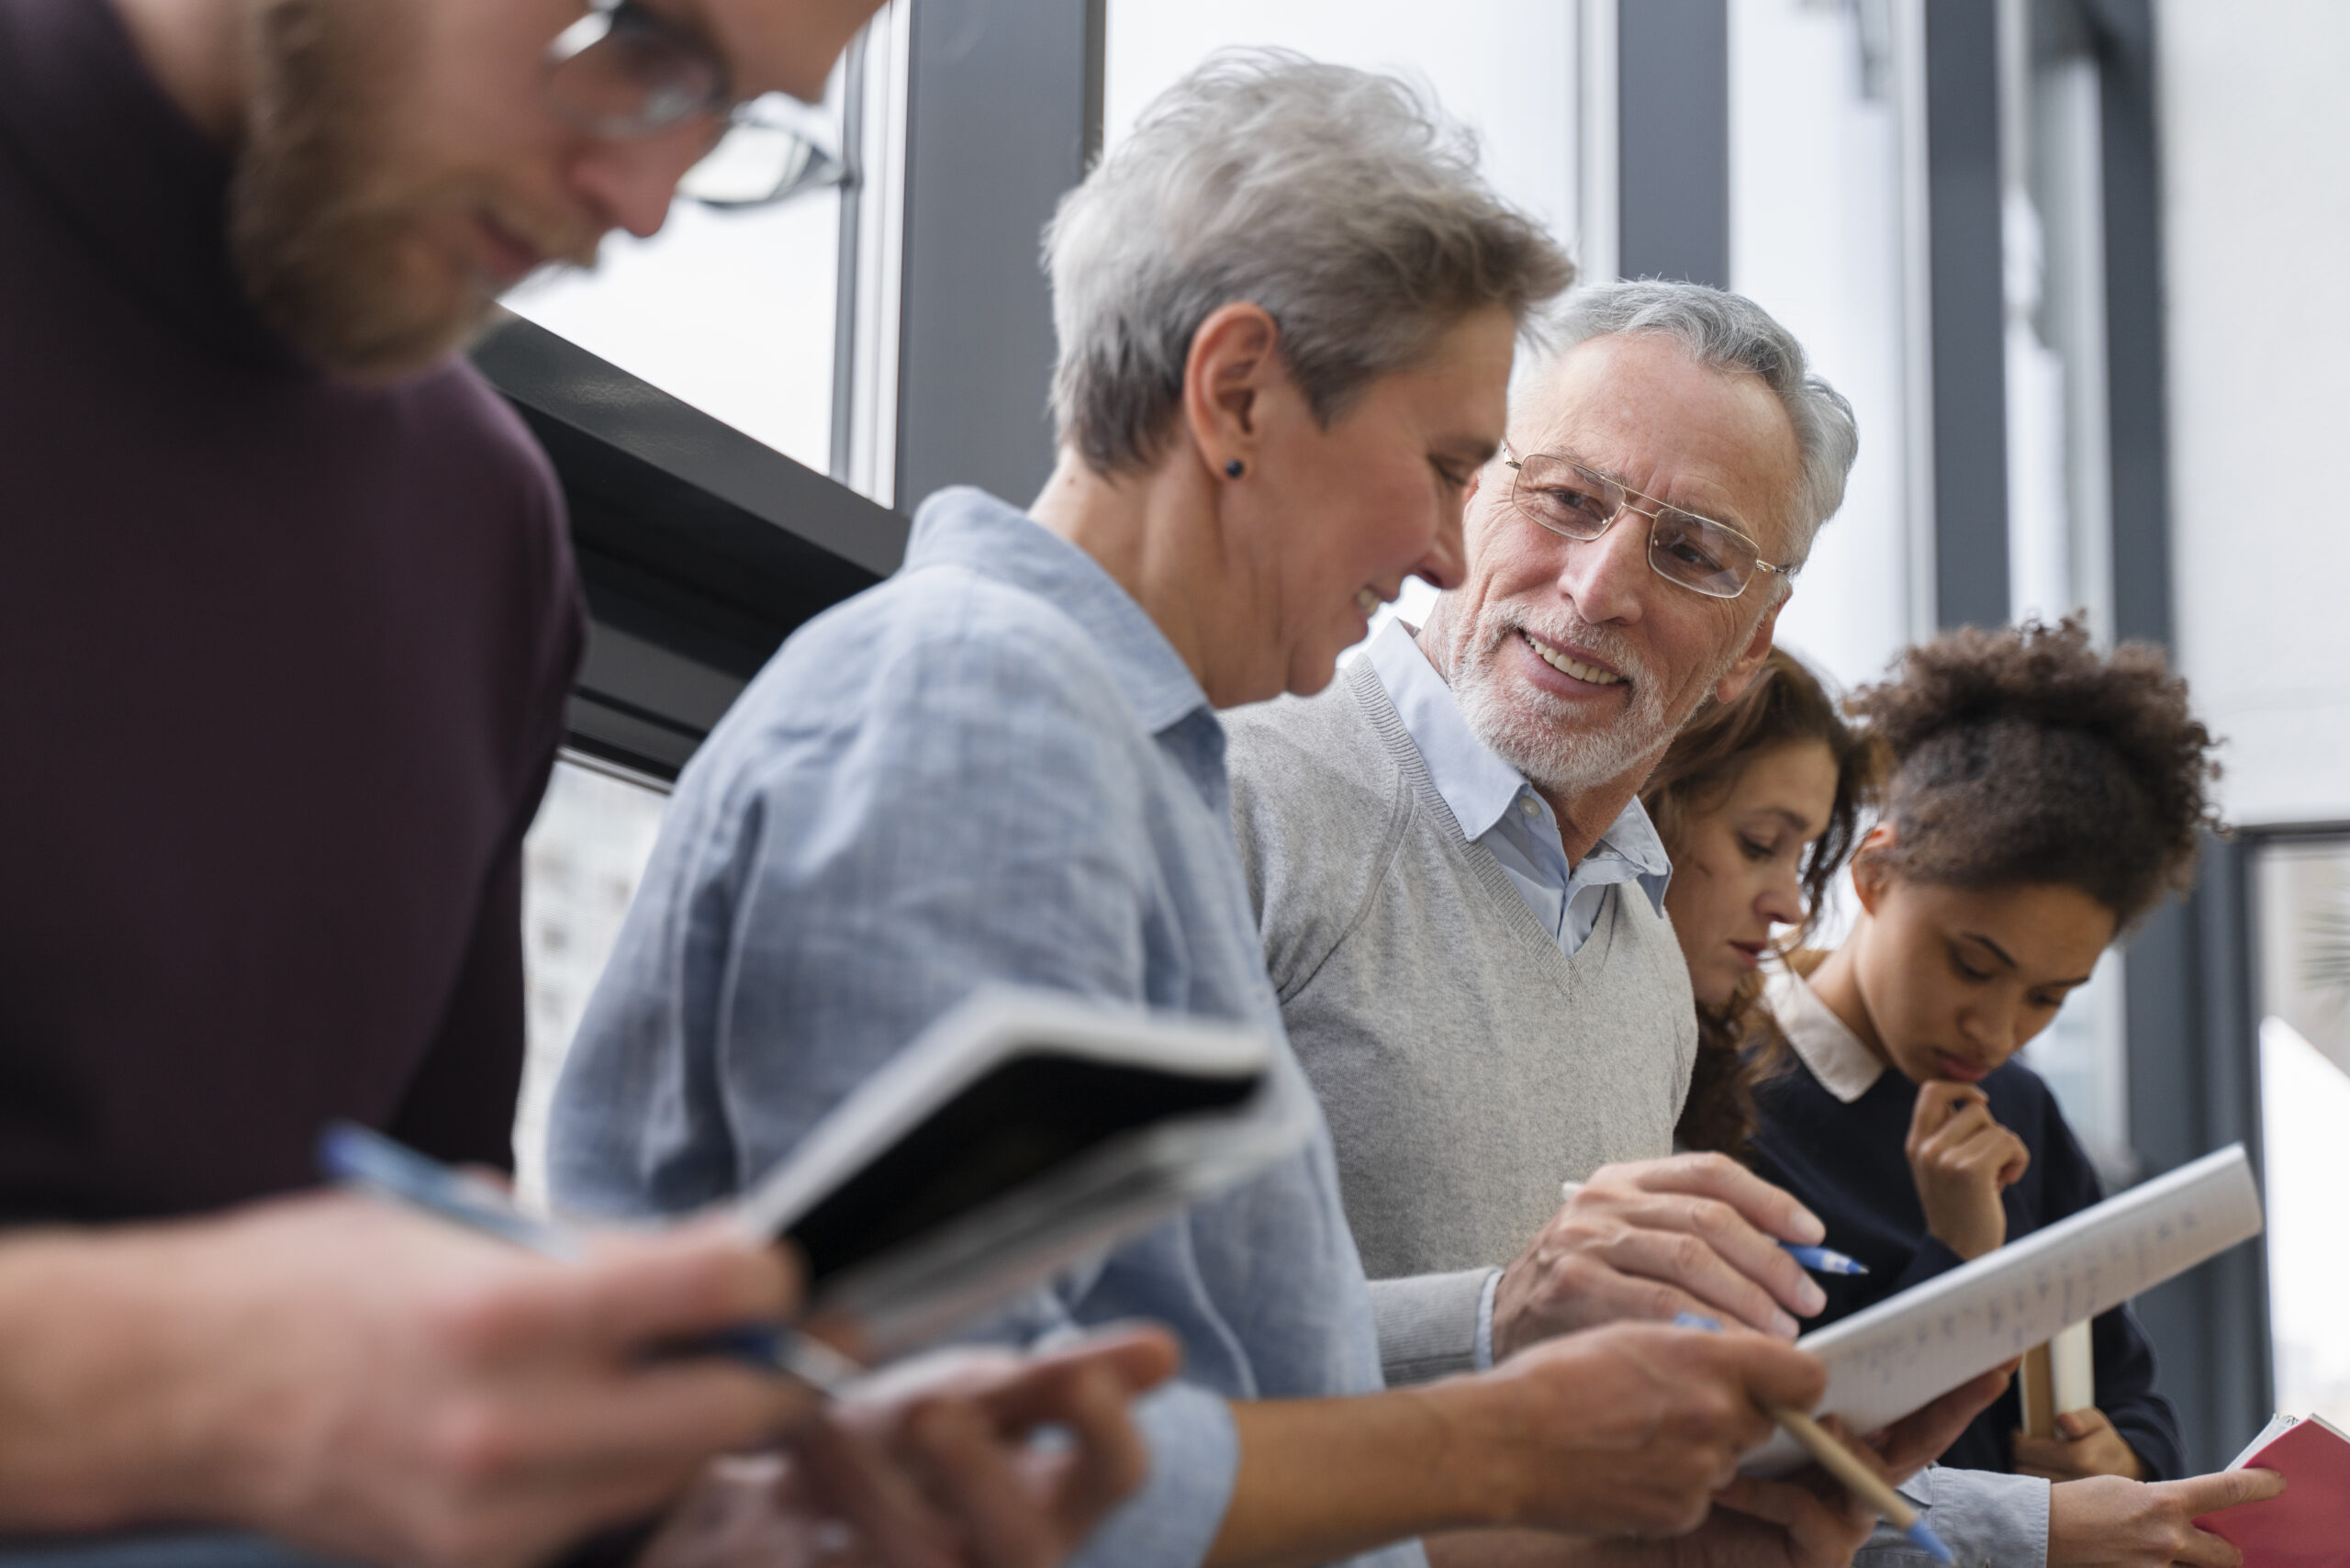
[1846,1163]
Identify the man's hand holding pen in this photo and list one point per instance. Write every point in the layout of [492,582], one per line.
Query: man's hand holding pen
[517,1384]
[1646,1240]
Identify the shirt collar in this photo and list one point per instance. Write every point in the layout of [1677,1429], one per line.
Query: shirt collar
[1633,838]
[1844,1067]
[1476,785]
[966,527]
[126,169]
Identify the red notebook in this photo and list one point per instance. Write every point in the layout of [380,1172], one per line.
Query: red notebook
[2308,1526]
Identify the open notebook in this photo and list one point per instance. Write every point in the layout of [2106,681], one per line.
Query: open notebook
[1020,1132]
[1910,1349]
[2308,1526]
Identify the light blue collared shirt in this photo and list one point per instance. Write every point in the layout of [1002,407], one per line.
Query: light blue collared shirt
[991,767]
[1496,807]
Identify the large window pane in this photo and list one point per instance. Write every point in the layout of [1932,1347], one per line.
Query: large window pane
[2301,893]
[732,312]
[2059,522]
[1817,164]
[581,863]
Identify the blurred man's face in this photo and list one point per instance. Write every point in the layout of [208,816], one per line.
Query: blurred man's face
[1576,662]
[403,168]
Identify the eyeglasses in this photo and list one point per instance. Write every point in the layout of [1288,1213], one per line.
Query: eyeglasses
[623,72]
[1580,503]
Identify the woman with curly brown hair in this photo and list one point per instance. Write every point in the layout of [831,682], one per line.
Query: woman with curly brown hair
[2042,800]
[2038,799]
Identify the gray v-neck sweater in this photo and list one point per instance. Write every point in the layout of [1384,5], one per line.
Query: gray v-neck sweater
[1466,1065]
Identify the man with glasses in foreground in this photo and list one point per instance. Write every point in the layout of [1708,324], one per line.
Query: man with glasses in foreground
[287,619]
[1461,900]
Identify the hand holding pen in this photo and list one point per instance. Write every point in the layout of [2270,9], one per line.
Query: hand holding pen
[700,1318]
[381,1168]
[370,1384]
[1644,1239]
[1866,1484]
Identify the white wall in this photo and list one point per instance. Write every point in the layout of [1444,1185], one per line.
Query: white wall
[2256,218]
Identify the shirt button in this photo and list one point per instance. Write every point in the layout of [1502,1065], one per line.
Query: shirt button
[1529,808]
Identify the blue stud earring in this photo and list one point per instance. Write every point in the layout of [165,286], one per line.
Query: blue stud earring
[1234,469]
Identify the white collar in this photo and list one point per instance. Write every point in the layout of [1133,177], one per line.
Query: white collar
[1844,1067]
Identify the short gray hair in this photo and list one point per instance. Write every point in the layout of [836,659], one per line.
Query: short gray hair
[1728,331]
[1340,201]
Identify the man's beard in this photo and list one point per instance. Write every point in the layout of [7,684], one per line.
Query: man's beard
[1544,737]
[326,229]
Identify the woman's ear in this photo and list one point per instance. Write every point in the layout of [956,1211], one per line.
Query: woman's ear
[1232,361]
[1869,872]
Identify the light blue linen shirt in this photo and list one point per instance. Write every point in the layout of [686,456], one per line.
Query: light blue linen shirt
[1495,806]
[991,767]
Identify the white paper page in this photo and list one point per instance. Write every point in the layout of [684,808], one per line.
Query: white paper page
[2278,1425]
[1907,1351]
[2072,1360]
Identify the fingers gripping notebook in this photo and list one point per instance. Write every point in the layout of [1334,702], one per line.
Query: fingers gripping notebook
[2308,1526]
[1019,1134]
[1911,1349]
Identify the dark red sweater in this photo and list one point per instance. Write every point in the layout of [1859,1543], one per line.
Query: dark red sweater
[282,671]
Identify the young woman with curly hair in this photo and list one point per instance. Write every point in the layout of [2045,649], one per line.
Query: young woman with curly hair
[2036,800]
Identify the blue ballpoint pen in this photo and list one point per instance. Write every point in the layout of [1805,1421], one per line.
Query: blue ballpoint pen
[1821,1259]
[384,1169]
[1824,1260]
[1838,1461]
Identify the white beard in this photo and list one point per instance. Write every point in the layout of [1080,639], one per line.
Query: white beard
[1541,736]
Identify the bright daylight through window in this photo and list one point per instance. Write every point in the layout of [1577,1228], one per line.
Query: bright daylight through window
[2302,918]
[581,863]
[731,310]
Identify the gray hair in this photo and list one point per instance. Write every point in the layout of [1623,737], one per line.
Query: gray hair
[1340,201]
[1728,331]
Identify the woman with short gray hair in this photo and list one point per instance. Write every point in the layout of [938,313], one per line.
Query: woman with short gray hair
[1288,308]
[1331,197]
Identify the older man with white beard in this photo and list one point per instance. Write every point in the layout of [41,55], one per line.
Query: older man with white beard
[1462,901]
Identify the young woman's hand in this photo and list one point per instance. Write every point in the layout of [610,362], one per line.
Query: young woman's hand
[2107,1522]
[1961,1160]
[2089,1446]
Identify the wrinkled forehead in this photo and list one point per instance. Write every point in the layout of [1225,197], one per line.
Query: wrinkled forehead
[1640,407]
